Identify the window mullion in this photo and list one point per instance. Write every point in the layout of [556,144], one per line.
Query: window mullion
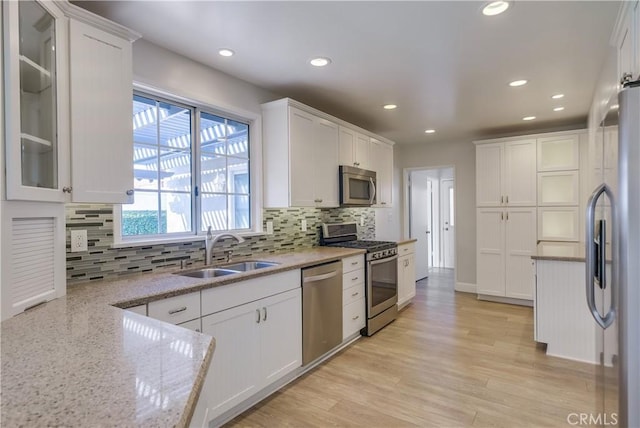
[196,172]
[158,167]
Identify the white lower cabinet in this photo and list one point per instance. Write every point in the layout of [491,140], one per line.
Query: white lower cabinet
[176,310]
[353,299]
[257,343]
[406,274]
[506,240]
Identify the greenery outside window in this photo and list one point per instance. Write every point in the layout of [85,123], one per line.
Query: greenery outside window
[191,169]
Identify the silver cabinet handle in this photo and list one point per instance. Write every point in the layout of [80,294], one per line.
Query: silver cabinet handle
[354,263]
[502,216]
[129,192]
[67,189]
[258,317]
[356,317]
[507,215]
[317,201]
[355,294]
[383,203]
[264,314]
[175,311]
[590,251]
[198,330]
[502,199]
[506,199]
[355,278]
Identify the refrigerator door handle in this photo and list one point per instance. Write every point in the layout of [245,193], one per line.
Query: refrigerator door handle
[592,258]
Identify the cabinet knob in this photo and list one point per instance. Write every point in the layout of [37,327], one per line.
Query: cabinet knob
[129,192]
[67,190]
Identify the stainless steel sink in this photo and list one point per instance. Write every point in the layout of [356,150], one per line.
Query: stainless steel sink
[249,265]
[228,269]
[208,273]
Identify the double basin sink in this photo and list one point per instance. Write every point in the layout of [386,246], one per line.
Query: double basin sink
[228,269]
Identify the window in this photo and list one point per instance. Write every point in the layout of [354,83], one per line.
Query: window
[191,170]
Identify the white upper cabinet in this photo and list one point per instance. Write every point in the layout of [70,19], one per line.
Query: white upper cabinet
[69,134]
[506,174]
[101,126]
[382,164]
[302,150]
[559,153]
[354,148]
[36,96]
[300,157]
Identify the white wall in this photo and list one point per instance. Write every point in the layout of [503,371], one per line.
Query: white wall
[171,72]
[461,155]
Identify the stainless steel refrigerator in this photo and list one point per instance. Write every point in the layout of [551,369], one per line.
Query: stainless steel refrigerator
[613,260]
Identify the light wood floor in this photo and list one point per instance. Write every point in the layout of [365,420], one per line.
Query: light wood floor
[449,360]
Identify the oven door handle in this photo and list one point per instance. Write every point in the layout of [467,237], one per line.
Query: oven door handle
[385,260]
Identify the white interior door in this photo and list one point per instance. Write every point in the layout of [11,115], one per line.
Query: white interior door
[420,221]
[448,224]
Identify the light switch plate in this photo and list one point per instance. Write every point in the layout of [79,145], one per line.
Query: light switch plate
[270,228]
[78,240]
[304,225]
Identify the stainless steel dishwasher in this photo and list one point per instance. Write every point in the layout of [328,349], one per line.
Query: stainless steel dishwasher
[321,310]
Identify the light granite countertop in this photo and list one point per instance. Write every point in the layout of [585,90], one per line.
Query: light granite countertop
[80,361]
[560,251]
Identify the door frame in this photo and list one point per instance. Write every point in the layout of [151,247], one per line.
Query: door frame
[443,209]
[406,172]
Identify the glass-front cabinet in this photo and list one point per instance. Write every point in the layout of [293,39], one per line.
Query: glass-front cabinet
[36,99]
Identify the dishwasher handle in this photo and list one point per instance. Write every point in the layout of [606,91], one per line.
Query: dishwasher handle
[316,278]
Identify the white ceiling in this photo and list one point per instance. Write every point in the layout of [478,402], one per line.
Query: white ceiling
[444,64]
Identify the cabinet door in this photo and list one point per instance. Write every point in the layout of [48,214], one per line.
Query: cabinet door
[362,149]
[347,146]
[625,49]
[559,188]
[302,163]
[36,79]
[353,318]
[324,178]
[520,245]
[491,255]
[33,256]
[489,161]
[234,373]
[280,335]
[559,153]
[382,164]
[101,125]
[519,179]
[406,278]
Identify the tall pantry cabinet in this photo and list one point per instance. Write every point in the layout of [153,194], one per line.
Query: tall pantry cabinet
[67,136]
[506,217]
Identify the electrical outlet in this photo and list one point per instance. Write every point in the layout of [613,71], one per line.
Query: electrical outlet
[78,241]
[304,225]
[269,228]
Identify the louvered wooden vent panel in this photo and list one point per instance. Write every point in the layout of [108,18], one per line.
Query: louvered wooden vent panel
[32,257]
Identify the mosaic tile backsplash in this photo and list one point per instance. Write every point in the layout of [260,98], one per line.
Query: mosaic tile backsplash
[103,262]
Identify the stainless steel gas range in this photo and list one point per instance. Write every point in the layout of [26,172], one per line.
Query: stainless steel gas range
[381,274]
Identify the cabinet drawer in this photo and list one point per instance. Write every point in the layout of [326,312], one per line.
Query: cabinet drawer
[405,249]
[176,310]
[350,279]
[194,325]
[352,263]
[238,293]
[353,318]
[352,294]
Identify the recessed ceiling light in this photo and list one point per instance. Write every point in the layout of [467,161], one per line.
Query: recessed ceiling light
[558,109]
[518,83]
[557,96]
[390,106]
[430,131]
[320,62]
[495,8]
[528,118]
[226,52]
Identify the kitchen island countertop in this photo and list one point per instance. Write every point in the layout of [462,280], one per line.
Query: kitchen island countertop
[80,361]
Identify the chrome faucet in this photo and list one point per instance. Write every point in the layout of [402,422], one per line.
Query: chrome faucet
[211,241]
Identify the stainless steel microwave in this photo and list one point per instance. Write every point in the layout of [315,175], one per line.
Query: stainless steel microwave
[357,187]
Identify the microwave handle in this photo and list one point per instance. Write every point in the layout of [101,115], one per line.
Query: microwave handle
[373,193]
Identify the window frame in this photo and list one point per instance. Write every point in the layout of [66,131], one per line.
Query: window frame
[253,120]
